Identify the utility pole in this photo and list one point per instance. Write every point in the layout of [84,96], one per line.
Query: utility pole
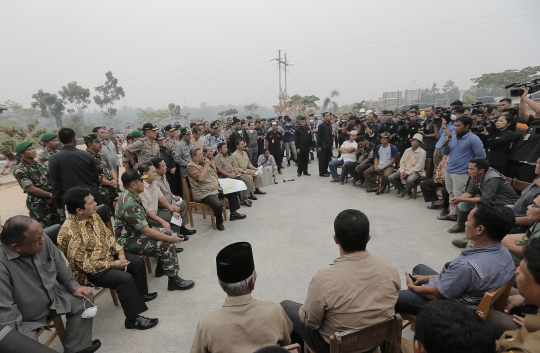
[282,93]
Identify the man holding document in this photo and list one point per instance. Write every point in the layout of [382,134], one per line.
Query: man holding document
[245,167]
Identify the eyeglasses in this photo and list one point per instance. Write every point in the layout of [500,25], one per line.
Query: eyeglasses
[534,206]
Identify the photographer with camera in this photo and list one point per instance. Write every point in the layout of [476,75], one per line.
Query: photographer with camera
[430,132]
[390,127]
[497,144]
[525,116]
[526,150]
[408,128]
[445,119]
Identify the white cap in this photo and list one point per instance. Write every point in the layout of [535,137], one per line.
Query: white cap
[353,132]
[274,123]
[363,110]
[369,111]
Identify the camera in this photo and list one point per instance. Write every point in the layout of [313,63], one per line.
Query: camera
[403,121]
[533,86]
[477,109]
[361,120]
[487,125]
[442,113]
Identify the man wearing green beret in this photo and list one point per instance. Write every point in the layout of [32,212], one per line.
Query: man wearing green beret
[136,135]
[33,177]
[108,180]
[50,141]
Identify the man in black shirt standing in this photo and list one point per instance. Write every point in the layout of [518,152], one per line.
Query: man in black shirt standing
[302,140]
[408,130]
[274,143]
[70,167]
[324,139]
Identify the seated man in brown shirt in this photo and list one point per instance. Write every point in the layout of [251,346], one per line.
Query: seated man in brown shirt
[227,168]
[358,291]
[243,324]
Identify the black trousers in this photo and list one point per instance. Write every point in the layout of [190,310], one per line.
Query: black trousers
[303,161]
[521,171]
[214,202]
[278,156]
[301,333]
[410,302]
[324,158]
[351,169]
[429,192]
[128,285]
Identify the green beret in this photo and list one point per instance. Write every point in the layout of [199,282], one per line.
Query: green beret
[22,146]
[48,136]
[136,133]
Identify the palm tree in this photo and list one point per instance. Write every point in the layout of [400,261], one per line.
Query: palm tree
[329,103]
[359,105]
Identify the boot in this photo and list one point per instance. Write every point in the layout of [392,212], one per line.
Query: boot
[460,242]
[459,227]
[160,272]
[177,283]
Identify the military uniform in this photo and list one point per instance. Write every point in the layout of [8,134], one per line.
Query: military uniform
[130,219]
[524,340]
[42,209]
[107,193]
[125,159]
[183,155]
[44,156]
[145,149]
[171,143]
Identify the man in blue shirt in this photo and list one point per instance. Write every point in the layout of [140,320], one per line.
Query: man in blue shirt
[462,147]
[446,130]
[384,155]
[483,268]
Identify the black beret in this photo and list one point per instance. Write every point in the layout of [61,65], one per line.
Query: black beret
[235,262]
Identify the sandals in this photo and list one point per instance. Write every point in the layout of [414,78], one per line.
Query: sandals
[446,218]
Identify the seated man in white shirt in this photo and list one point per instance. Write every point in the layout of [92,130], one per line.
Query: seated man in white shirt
[411,167]
[267,160]
[347,150]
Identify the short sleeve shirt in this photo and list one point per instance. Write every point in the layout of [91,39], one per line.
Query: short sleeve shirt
[385,154]
[274,139]
[225,162]
[532,232]
[146,150]
[150,196]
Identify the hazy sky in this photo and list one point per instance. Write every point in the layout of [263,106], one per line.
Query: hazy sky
[220,52]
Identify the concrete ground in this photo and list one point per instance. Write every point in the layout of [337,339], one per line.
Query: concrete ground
[290,229]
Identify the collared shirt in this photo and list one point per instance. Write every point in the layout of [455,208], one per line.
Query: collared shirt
[33,175]
[29,288]
[146,149]
[102,164]
[442,135]
[358,291]
[165,188]
[266,162]
[462,150]
[226,163]
[150,196]
[183,155]
[288,137]
[213,141]
[351,156]
[44,156]
[197,142]
[130,216]
[109,150]
[242,325]
[476,271]
[89,246]
[412,161]
[524,340]
[532,232]
[242,160]
[171,143]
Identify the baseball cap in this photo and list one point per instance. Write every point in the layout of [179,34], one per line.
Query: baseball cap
[169,128]
[385,135]
[363,110]
[149,126]
[130,176]
[185,131]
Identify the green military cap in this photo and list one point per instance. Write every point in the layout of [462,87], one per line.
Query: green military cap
[136,133]
[48,136]
[93,137]
[22,146]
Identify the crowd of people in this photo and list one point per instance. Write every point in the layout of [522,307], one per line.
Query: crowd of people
[467,155]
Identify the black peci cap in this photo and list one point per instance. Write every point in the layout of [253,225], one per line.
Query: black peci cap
[235,262]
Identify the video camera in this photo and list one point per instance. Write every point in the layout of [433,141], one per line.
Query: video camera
[487,125]
[533,86]
[442,113]
[361,120]
[478,109]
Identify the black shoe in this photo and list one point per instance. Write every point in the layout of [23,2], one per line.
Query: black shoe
[307,174]
[259,192]
[185,237]
[327,172]
[299,175]
[141,323]
[160,272]
[253,198]
[371,190]
[246,203]
[324,175]
[220,227]
[379,192]
[185,231]
[288,163]
[236,215]
[149,297]
[179,250]
[309,162]
[96,344]
[177,283]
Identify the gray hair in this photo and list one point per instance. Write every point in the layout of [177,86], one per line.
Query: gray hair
[235,288]
[193,151]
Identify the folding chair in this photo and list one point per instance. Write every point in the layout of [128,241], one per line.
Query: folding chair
[55,322]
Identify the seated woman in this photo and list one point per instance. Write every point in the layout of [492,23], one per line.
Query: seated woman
[202,174]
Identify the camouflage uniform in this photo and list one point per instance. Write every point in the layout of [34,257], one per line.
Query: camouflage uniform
[42,209]
[44,156]
[130,219]
[107,193]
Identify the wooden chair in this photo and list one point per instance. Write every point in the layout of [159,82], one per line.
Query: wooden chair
[295,348]
[346,176]
[510,181]
[55,322]
[369,337]
[427,168]
[519,186]
[193,207]
[496,299]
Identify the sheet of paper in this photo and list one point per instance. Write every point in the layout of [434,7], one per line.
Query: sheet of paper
[258,171]
[177,221]
[232,185]
[179,201]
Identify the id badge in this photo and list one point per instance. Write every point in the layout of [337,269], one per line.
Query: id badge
[272,140]
[526,137]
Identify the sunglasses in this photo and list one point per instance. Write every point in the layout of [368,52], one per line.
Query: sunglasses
[534,206]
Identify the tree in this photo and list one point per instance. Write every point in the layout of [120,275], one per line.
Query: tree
[174,110]
[502,79]
[308,101]
[77,123]
[153,116]
[51,107]
[357,106]
[77,97]
[228,112]
[110,92]
[450,90]
[329,103]
[251,110]
[11,135]
[22,116]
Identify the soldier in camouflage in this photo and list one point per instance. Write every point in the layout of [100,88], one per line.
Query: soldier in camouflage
[134,136]
[33,177]
[133,232]
[50,141]
[108,181]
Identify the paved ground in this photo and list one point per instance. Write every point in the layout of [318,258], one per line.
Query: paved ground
[290,229]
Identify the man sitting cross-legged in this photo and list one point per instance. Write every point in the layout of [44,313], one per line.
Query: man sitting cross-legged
[485,267]
[358,291]
[96,258]
[137,237]
[227,168]
[35,283]
[243,324]
[245,167]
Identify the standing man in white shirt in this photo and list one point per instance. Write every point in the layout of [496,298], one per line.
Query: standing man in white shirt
[411,166]
[347,150]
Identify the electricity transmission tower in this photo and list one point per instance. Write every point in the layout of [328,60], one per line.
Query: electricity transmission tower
[285,63]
